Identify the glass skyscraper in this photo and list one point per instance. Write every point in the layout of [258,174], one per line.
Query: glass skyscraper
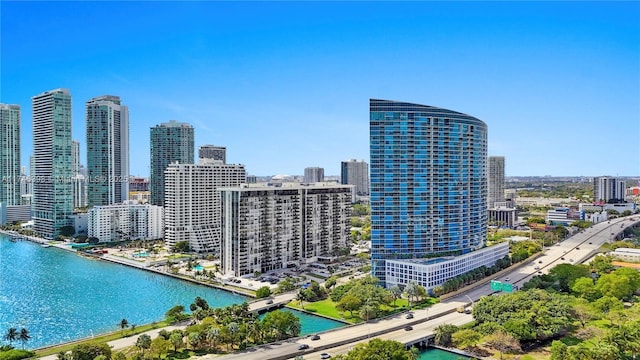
[107,150]
[428,182]
[170,142]
[52,187]
[10,154]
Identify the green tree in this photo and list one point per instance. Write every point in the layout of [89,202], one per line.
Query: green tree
[464,338]
[607,304]
[349,303]
[281,325]
[616,285]
[89,351]
[378,349]
[67,231]
[176,340]
[24,336]
[159,347]
[181,247]
[558,350]
[286,285]
[263,292]
[584,288]
[176,313]
[444,333]
[330,282]
[143,342]
[566,274]
[123,324]
[503,342]
[601,264]
[11,335]
[396,292]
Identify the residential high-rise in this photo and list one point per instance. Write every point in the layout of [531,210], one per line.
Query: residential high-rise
[608,189]
[107,150]
[268,228]
[495,189]
[126,221]
[356,173]
[52,188]
[192,202]
[313,175]
[170,142]
[428,186]
[75,157]
[212,152]
[10,172]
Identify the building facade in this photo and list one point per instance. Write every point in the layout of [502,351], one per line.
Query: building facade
[313,175]
[430,273]
[107,150]
[10,171]
[126,221]
[52,188]
[213,152]
[356,173]
[428,183]
[608,189]
[268,228]
[170,142]
[495,189]
[192,203]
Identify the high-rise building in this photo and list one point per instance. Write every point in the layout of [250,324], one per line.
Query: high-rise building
[107,150]
[212,152]
[313,175]
[268,228]
[608,189]
[192,202]
[495,191]
[126,221]
[356,173]
[52,188]
[10,172]
[75,157]
[428,187]
[170,142]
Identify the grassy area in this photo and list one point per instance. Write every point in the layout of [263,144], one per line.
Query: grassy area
[100,338]
[327,308]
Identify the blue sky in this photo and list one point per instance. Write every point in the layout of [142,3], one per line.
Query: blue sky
[286,85]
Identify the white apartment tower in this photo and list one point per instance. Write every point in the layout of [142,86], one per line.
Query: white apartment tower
[107,150]
[495,183]
[356,173]
[606,188]
[126,221]
[192,202]
[268,228]
[52,202]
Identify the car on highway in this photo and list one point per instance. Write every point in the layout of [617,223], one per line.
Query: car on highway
[270,301]
[561,258]
[536,268]
[315,337]
[303,347]
[507,279]
[408,328]
[409,316]
[325,356]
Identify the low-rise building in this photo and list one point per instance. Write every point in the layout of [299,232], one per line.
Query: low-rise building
[626,254]
[430,273]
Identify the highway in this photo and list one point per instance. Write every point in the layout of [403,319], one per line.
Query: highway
[573,250]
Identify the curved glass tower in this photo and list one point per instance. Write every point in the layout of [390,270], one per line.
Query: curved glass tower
[428,182]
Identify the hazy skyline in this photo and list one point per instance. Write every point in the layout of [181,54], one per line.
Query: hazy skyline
[286,85]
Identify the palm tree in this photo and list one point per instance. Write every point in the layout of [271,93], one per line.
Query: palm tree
[124,323]
[11,335]
[24,336]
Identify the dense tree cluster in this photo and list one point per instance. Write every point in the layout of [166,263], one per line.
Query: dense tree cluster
[378,349]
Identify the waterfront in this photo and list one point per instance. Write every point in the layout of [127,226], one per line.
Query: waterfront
[437,354]
[59,296]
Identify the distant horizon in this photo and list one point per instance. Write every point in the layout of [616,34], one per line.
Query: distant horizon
[286,85]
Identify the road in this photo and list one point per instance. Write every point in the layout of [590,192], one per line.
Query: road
[573,250]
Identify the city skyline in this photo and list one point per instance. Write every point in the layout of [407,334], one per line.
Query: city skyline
[284,86]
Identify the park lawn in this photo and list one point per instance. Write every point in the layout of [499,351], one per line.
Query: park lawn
[100,338]
[327,308]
